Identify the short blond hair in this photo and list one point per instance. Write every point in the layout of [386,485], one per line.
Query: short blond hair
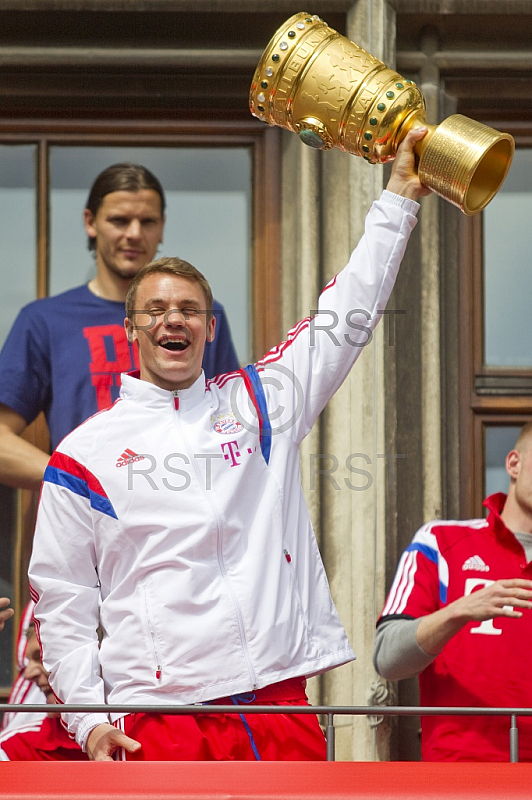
[523,440]
[169,266]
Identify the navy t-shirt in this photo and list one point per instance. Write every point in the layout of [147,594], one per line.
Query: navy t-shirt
[64,356]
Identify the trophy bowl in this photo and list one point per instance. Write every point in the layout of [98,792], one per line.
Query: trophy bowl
[317,83]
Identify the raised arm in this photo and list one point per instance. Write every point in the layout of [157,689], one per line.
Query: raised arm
[302,373]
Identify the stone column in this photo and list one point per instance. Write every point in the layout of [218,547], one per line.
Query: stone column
[354,511]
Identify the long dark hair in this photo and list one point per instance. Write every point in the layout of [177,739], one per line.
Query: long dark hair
[125,177]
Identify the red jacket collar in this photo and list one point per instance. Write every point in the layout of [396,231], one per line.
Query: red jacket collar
[495,505]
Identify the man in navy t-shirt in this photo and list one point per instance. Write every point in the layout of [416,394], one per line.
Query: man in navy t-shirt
[64,354]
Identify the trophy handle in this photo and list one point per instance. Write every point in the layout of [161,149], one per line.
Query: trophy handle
[462,160]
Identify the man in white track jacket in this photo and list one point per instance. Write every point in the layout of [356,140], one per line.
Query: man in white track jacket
[175,520]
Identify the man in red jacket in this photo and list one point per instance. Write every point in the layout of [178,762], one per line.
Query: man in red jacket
[459,615]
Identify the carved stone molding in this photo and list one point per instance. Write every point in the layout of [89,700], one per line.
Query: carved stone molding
[381,693]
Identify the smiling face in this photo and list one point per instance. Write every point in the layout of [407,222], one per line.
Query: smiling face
[171,325]
[128,228]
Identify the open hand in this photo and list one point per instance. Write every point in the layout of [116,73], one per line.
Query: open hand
[499,599]
[104,739]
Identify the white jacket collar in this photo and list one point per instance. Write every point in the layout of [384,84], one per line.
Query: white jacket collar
[152,396]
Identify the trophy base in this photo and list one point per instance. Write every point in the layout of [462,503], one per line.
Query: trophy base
[465,162]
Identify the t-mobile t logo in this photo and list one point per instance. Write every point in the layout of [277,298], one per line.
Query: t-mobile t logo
[486,626]
[231,452]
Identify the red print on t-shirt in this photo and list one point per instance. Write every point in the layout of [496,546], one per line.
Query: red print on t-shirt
[111,354]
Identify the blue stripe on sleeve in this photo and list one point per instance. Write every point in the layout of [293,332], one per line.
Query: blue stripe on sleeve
[80,487]
[432,555]
[428,552]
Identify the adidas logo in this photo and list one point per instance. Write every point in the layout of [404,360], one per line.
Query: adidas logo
[476,563]
[128,457]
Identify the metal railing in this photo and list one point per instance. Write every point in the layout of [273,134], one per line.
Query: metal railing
[329,712]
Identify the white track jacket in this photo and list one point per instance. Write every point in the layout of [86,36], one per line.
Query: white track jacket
[176,520]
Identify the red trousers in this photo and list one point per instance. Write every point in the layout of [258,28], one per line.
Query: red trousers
[230,737]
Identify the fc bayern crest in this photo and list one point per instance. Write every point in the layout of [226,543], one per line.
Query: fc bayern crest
[226,423]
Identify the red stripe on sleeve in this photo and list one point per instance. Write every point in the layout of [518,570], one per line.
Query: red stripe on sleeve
[73,467]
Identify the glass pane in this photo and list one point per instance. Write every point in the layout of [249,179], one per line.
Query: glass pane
[208,218]
[7,532]
[498,441]
[17,231]
[507,269]
[18,280]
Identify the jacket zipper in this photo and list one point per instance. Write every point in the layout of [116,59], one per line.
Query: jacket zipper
[159,670]
[223,570]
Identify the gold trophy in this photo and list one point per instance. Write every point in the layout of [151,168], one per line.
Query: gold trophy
[332,93]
